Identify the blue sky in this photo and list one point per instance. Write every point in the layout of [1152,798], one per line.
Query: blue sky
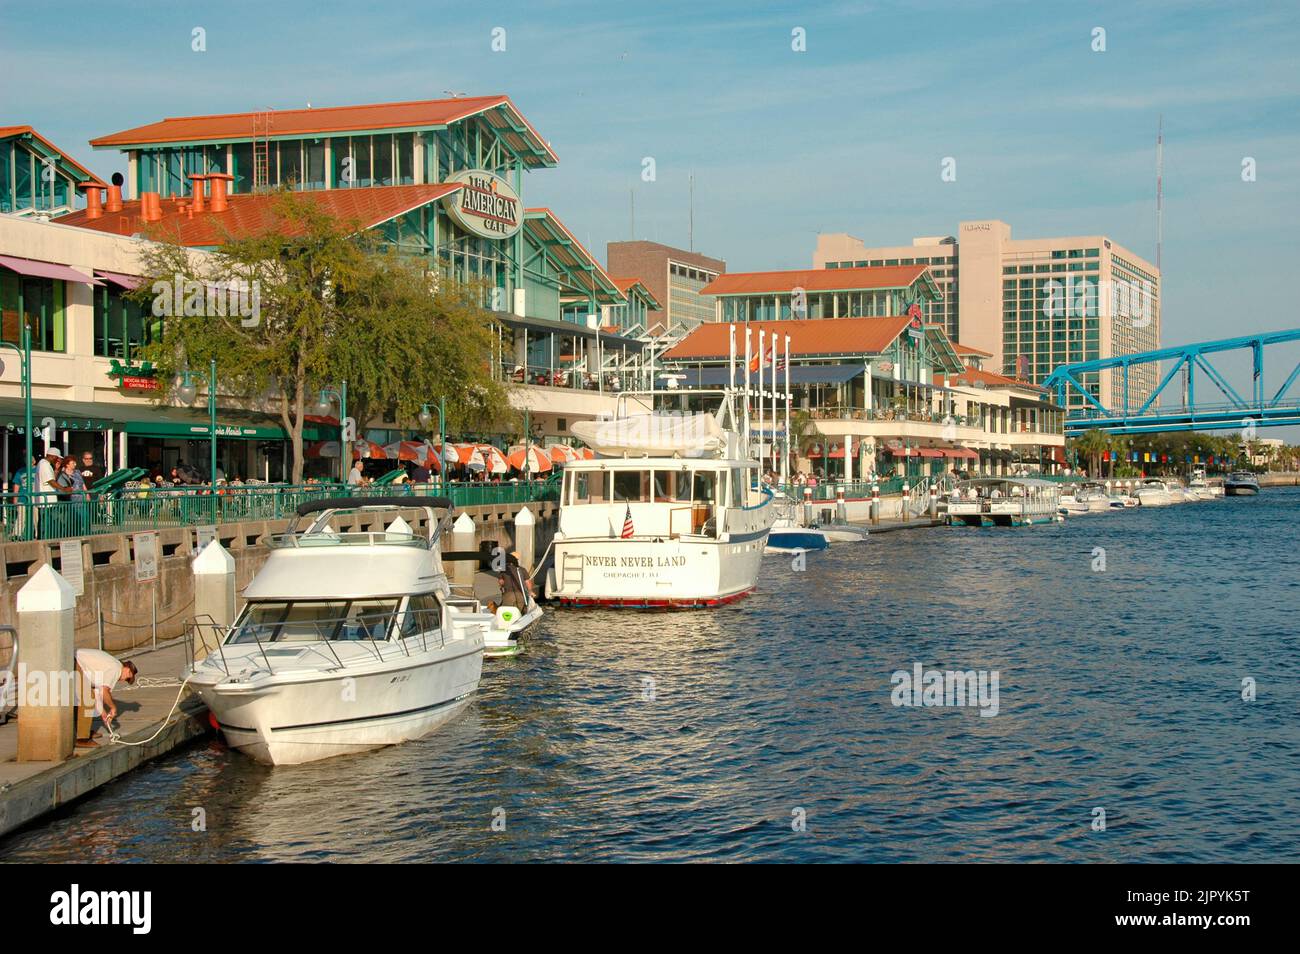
[1048,135]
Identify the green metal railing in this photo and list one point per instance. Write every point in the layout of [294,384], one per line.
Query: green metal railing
[132,509]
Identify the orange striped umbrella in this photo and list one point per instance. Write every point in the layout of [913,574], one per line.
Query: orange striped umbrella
[538,461]
[493,458]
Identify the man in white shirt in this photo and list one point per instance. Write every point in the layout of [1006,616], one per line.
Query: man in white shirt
[354,475]
[97,674]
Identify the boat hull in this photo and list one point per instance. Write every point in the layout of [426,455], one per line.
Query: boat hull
[789,539]
[682,573]
[1241,490]
[288,719]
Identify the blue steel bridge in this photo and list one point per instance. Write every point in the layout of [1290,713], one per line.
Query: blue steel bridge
[1208,401]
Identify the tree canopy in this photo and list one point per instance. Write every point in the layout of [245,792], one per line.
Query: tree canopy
[314,301]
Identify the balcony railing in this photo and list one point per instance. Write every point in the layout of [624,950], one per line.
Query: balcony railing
[611,381]
[132,509]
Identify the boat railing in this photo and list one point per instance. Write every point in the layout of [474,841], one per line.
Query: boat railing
[351,538]
[375,631]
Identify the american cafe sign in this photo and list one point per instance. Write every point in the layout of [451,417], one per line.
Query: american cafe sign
[485,205]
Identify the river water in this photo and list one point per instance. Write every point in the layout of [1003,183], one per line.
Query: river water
[765,731]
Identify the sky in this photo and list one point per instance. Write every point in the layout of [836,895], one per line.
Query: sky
[848,134]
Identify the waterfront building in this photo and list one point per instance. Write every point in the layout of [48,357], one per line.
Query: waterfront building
[440,179]
[675,277]
[887,395]
[36,176]
[1032,304]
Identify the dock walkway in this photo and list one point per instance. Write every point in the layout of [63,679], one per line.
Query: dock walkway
[28,790]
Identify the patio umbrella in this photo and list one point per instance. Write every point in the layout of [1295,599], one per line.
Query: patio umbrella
[322,449]
[562,453]
[405,450]
[495,460]
[588,453]
[538,461]
[469,456]
[365,448]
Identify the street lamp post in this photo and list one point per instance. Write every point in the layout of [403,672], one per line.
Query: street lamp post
[426,418]
[25,354]
[188,392]
[323,406]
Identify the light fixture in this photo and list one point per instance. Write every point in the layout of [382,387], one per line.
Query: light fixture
[323,405]
[426,418]
[185,389]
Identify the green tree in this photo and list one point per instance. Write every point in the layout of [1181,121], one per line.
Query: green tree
[330,304]
[1090,446]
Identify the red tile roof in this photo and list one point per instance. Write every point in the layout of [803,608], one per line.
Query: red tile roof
[808,337]
[625,285]
[814,280]
[7,131]
[255,214]
[971,376]
[325,120]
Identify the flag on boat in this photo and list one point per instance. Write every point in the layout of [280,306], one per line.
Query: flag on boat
[627,524]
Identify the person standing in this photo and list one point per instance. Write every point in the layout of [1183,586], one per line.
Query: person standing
[91,472]
[71,489]
[98,674]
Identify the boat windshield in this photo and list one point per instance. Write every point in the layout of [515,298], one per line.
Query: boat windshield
[277,621]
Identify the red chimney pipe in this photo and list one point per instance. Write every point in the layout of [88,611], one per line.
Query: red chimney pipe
[151,206]
[94,198]
[114,203]
[217,201]
[198,180]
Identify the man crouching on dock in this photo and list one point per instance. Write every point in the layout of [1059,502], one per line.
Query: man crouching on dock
[97,673]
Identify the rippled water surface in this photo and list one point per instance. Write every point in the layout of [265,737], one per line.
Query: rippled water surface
[1119,689]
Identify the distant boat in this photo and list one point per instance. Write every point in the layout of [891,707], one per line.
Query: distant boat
[1004,501]
[1241,483]
[1153,493]
[789,534]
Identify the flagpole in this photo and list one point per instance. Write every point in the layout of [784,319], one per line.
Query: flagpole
[748,338]
[785,458]
[761,406]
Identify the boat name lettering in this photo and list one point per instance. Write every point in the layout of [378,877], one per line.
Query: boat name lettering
[647,561]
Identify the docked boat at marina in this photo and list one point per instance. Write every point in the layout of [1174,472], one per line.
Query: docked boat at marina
[1241,483]
[670,514]
[1153,492]
[348,640]
[1087,498]
[788,533]
[1004,501]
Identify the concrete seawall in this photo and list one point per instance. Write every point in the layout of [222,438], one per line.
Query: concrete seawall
[129,607]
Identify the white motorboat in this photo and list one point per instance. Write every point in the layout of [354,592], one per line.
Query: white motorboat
[1004,501]
[844,533]
[788,533]
[1086,498]
[670,514]
[349,639]
[501,637]
[1153,493]
[1241,483]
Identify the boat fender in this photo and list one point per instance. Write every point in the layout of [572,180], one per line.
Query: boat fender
[507,616]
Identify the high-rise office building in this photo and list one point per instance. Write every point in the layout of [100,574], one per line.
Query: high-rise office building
[1032,304]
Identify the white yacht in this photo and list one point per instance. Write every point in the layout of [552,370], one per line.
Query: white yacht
[1086,498]
[1004,501]
[349,640]
[1153,492]
[671,512]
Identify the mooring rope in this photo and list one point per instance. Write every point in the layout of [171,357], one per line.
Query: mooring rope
[157,682]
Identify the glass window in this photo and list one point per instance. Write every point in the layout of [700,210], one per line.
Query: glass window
[705,487]
[242,161]
[383,150]
[291,164]
[588,487]
[632,485]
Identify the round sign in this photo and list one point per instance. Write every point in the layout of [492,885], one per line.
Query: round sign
[484,205]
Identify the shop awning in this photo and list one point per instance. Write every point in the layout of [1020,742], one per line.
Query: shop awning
[129,282]
[961,453]
[931,452]
[716,377]
[147,420]
[35,269]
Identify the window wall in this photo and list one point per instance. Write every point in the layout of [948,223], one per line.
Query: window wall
[123,327]
[42,301]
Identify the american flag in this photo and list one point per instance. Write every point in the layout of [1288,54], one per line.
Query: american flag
[627,524]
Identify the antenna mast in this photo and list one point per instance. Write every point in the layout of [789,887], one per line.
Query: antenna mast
[1160,189]
[691,227]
